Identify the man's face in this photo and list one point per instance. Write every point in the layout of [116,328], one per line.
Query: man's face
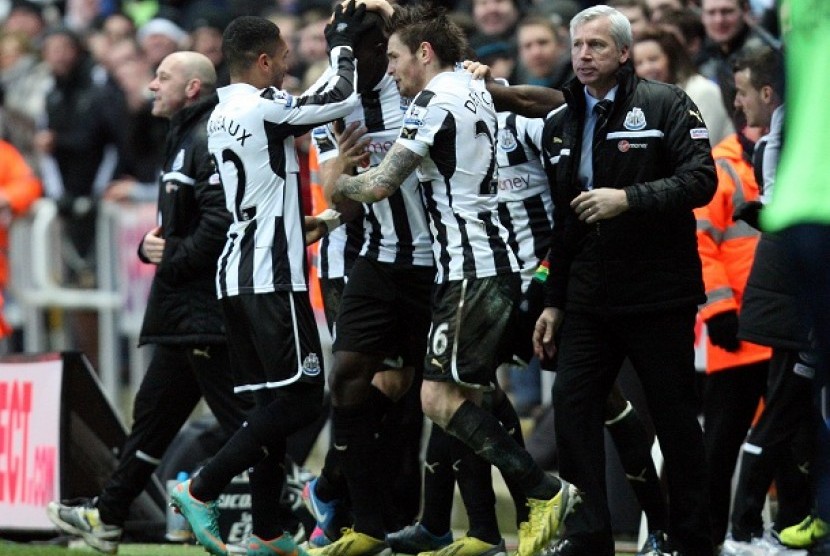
[208,41]
[658,7]
[637,17]
[722,19]
[538,49]
[61,54]
[157,46]
[405,68]
[279,64]
[756,104]
[169,88]
[494,17]
[595,56]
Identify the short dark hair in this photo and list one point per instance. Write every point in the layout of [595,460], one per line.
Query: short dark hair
[245,38]
[766,67]
[415,24]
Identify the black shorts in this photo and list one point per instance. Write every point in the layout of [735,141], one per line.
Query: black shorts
[273,340]
[519,338]
[332,290]
[385,310]
[470,319]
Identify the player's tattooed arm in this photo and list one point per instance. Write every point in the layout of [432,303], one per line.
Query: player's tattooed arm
[382,181]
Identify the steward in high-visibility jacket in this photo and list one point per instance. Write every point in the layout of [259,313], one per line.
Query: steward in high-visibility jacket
[727,249]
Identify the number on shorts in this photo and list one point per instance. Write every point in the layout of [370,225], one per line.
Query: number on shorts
[439,339]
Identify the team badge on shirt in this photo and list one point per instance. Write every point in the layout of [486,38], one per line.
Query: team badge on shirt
[635,120]
[311,365]
[507,141]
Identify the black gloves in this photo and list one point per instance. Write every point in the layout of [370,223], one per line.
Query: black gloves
[723,330]
[749,213]
[347,25]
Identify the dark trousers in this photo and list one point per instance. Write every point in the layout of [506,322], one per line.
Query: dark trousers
[730,400]
[176,379]
[661,349]
[809,245]
[778,448]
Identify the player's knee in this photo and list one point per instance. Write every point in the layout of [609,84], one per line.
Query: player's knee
[434,402]
[394,383]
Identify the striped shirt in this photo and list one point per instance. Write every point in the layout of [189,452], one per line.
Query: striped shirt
[251,137]
[452,124]
[395,229]
[525,204]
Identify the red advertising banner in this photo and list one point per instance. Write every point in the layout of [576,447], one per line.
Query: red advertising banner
[30,405]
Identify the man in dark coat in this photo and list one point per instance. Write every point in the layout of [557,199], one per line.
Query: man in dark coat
[183,317]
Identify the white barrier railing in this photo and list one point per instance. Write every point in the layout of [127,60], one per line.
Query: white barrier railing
[119,297]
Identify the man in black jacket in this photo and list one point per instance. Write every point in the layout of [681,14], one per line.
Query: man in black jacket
[183,317]
[627,160]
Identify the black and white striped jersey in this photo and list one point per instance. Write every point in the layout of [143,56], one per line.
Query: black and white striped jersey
[339,250]
[251,137]
[525,203]
[395,229]
[452,124]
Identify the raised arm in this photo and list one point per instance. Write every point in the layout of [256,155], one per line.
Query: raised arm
[530,101]
[381,181]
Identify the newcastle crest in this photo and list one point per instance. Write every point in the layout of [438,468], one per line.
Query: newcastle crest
[635,120]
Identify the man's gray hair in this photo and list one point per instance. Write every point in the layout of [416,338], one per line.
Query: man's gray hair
[620,26]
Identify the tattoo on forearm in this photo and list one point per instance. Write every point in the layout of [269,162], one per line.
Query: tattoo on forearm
[382,181]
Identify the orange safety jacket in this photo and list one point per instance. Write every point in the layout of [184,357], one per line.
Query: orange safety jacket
[727,249]
[20,187]
[318,205]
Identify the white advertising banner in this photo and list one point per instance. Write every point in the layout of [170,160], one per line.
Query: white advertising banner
[30,404]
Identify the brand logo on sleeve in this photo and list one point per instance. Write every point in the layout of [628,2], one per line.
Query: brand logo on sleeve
[699,133]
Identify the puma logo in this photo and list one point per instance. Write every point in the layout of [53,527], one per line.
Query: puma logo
[641,478]
[697,115]
[202,352]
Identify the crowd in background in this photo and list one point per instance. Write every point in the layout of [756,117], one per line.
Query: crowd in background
[76,107]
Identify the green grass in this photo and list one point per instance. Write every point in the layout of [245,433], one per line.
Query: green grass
[11,549]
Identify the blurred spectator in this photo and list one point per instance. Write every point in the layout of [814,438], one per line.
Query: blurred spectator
[728,30]
[686,26]
[543,58]
[561,10]
[636,11]
[78,156]
[289,25]
[80,15]
[206,38]
[160,37]
[495,20]
[660,7]
[311,46]
[78,148]
[118,26]
[659,56]
[501,57]
[312,50]
[24,83]
[25,17]
[19,188]
[140,157]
